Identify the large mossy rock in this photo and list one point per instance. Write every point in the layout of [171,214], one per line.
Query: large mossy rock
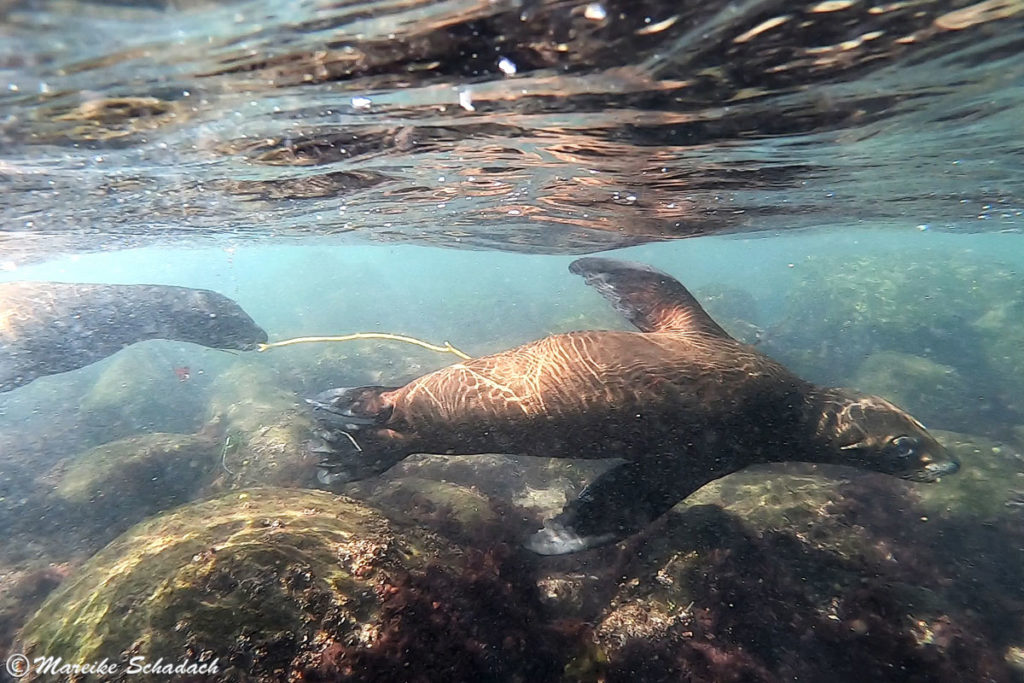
[934,393]
[131,478]
[311,368]
[1001,334]
[456,512]
[211,576]
[267,429]
[139,390]
[988,486]
[284,584]
[478,499]
[802,572]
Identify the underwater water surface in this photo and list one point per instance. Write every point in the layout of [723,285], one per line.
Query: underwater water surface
[848,176]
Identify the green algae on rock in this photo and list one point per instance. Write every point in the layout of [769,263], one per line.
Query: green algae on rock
[267,429]
[454,511]
[283,584]
[139,475]
[991,475]
[952,312]
[790,573]
[254,578]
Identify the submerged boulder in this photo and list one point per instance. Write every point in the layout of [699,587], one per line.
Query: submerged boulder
[311,368]
[457,512]
[281,584]
[802,572]
[125,480]
[1001,334]
[267,430]
[155,386]
[988,485]
[952,312]
[478,499]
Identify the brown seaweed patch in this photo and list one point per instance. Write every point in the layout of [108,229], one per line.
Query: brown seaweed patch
[484,623]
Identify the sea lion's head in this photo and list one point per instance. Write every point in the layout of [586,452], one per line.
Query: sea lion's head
[211,319]
[872,433]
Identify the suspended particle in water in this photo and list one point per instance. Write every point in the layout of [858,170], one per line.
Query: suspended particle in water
[507,66]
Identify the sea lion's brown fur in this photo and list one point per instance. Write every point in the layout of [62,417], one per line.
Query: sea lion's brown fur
[586,395]
[681,400]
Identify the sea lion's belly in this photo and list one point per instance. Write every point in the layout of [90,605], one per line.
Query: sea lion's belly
[600,395]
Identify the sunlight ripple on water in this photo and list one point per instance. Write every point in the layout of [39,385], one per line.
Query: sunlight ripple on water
[559,127]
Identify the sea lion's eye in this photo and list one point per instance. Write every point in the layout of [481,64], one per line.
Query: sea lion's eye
[903,446]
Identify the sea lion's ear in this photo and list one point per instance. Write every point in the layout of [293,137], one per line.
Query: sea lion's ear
[650,299]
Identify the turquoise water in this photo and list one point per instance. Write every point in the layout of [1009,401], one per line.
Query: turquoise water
[332,288]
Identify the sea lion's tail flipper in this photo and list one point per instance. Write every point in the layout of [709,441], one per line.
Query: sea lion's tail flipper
[650,299]
[617,504]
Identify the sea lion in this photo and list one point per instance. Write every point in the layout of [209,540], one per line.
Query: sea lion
[681,401]
[52,327]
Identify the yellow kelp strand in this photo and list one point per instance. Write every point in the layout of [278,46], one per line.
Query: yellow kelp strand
[447,348]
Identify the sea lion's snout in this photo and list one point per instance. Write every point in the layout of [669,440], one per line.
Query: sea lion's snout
[940,469]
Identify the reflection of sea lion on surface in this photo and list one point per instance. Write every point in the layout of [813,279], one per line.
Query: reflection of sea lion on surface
[682,401]
[52,327]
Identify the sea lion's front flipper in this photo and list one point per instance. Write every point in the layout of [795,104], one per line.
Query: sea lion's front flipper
[620,502]
[650,299]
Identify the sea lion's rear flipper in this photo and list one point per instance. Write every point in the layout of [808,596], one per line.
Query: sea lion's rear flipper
[617,504]
[352,406]
[352,441]
[650,299]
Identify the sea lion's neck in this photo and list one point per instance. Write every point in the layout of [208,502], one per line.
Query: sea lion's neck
[827,424]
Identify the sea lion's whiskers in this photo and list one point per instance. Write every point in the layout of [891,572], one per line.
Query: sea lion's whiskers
[224,455]
[352,439]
